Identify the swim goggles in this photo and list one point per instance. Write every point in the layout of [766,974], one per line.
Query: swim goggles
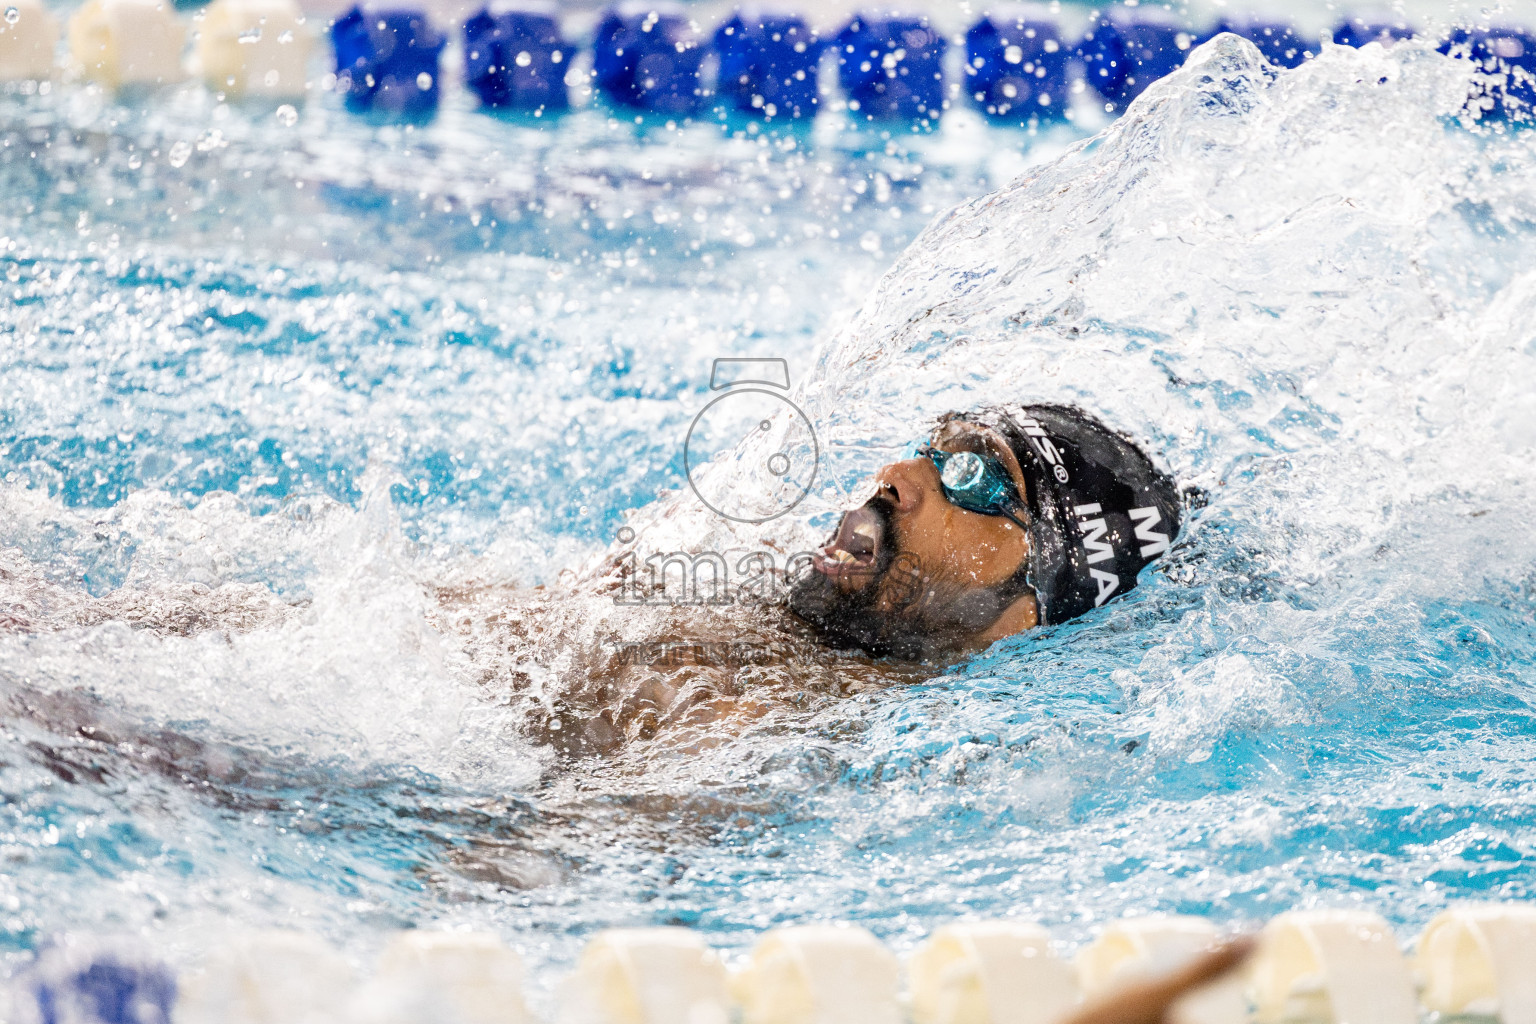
[975,483]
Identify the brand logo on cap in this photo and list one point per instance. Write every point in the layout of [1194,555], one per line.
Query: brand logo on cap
[1043,446]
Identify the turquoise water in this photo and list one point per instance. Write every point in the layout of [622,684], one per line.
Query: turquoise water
[274,381]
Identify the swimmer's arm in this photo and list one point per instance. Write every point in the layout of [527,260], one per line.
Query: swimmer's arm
[1148,1002]
[186,609]
[32,603]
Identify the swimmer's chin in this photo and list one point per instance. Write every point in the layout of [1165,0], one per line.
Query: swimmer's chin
[845,616]
[847,612]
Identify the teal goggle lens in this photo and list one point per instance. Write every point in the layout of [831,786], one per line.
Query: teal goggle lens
[976,483]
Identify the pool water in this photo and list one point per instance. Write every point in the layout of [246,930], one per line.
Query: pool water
[296,375]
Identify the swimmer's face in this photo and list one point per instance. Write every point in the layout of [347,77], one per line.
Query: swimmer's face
[908,571]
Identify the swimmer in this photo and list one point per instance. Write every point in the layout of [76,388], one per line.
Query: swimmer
[1000,521]
[1003,520]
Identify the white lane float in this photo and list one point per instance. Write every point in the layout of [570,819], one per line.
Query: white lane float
[269,977]
[646,976]
[29,33]
[819,974]
[1475,961]
[989,972]
[254,48]
[443,978]
[1332,967]
[1139,948]
[127,42]
[1480,960]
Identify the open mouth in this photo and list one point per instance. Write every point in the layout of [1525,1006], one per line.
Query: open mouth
[855,548]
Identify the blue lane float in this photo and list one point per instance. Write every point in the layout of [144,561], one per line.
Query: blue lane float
[768,65]
[1126,49]
[1278,41]
[1017,66]
[1504,86]
[96,988]
[516,60]
[892,67]
[388,60]
[650,57]
[1385,27]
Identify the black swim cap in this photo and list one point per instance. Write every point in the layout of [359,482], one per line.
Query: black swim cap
[1099,509]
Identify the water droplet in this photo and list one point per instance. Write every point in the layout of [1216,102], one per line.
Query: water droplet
[12,15]
[251,35]
[270,79]
[287,116]
[524,58]
[423,81]
[286,37]
[179,154]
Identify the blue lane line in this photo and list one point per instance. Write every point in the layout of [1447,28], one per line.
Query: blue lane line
[1020,65]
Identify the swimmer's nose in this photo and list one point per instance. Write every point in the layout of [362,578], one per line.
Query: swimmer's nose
[906,483]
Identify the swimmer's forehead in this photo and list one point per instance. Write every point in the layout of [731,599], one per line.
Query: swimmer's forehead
[956,433]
